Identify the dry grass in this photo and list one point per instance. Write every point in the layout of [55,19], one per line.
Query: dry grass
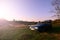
[12,32]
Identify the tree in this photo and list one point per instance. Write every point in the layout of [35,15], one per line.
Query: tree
[56,4]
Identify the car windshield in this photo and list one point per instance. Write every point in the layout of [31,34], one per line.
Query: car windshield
[38,24]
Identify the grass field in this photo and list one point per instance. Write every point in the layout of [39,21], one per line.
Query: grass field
[18,33]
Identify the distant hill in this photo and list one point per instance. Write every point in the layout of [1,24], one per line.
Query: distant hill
[22,22]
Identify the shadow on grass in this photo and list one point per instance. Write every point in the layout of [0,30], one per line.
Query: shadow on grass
[54,30]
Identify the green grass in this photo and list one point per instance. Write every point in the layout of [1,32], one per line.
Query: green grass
[12,33]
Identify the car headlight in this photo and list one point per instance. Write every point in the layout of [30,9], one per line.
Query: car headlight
[32,28]
[36,27]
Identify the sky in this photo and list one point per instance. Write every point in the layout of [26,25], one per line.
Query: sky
[26,10]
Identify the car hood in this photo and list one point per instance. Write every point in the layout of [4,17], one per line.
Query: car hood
[36,25]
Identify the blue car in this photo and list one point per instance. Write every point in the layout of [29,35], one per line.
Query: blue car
[42,26]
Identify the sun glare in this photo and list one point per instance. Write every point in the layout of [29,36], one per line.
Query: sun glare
[5,11]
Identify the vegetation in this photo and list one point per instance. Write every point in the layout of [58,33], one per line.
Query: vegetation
[24,33]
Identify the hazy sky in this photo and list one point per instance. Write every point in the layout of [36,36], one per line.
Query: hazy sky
[27,10]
